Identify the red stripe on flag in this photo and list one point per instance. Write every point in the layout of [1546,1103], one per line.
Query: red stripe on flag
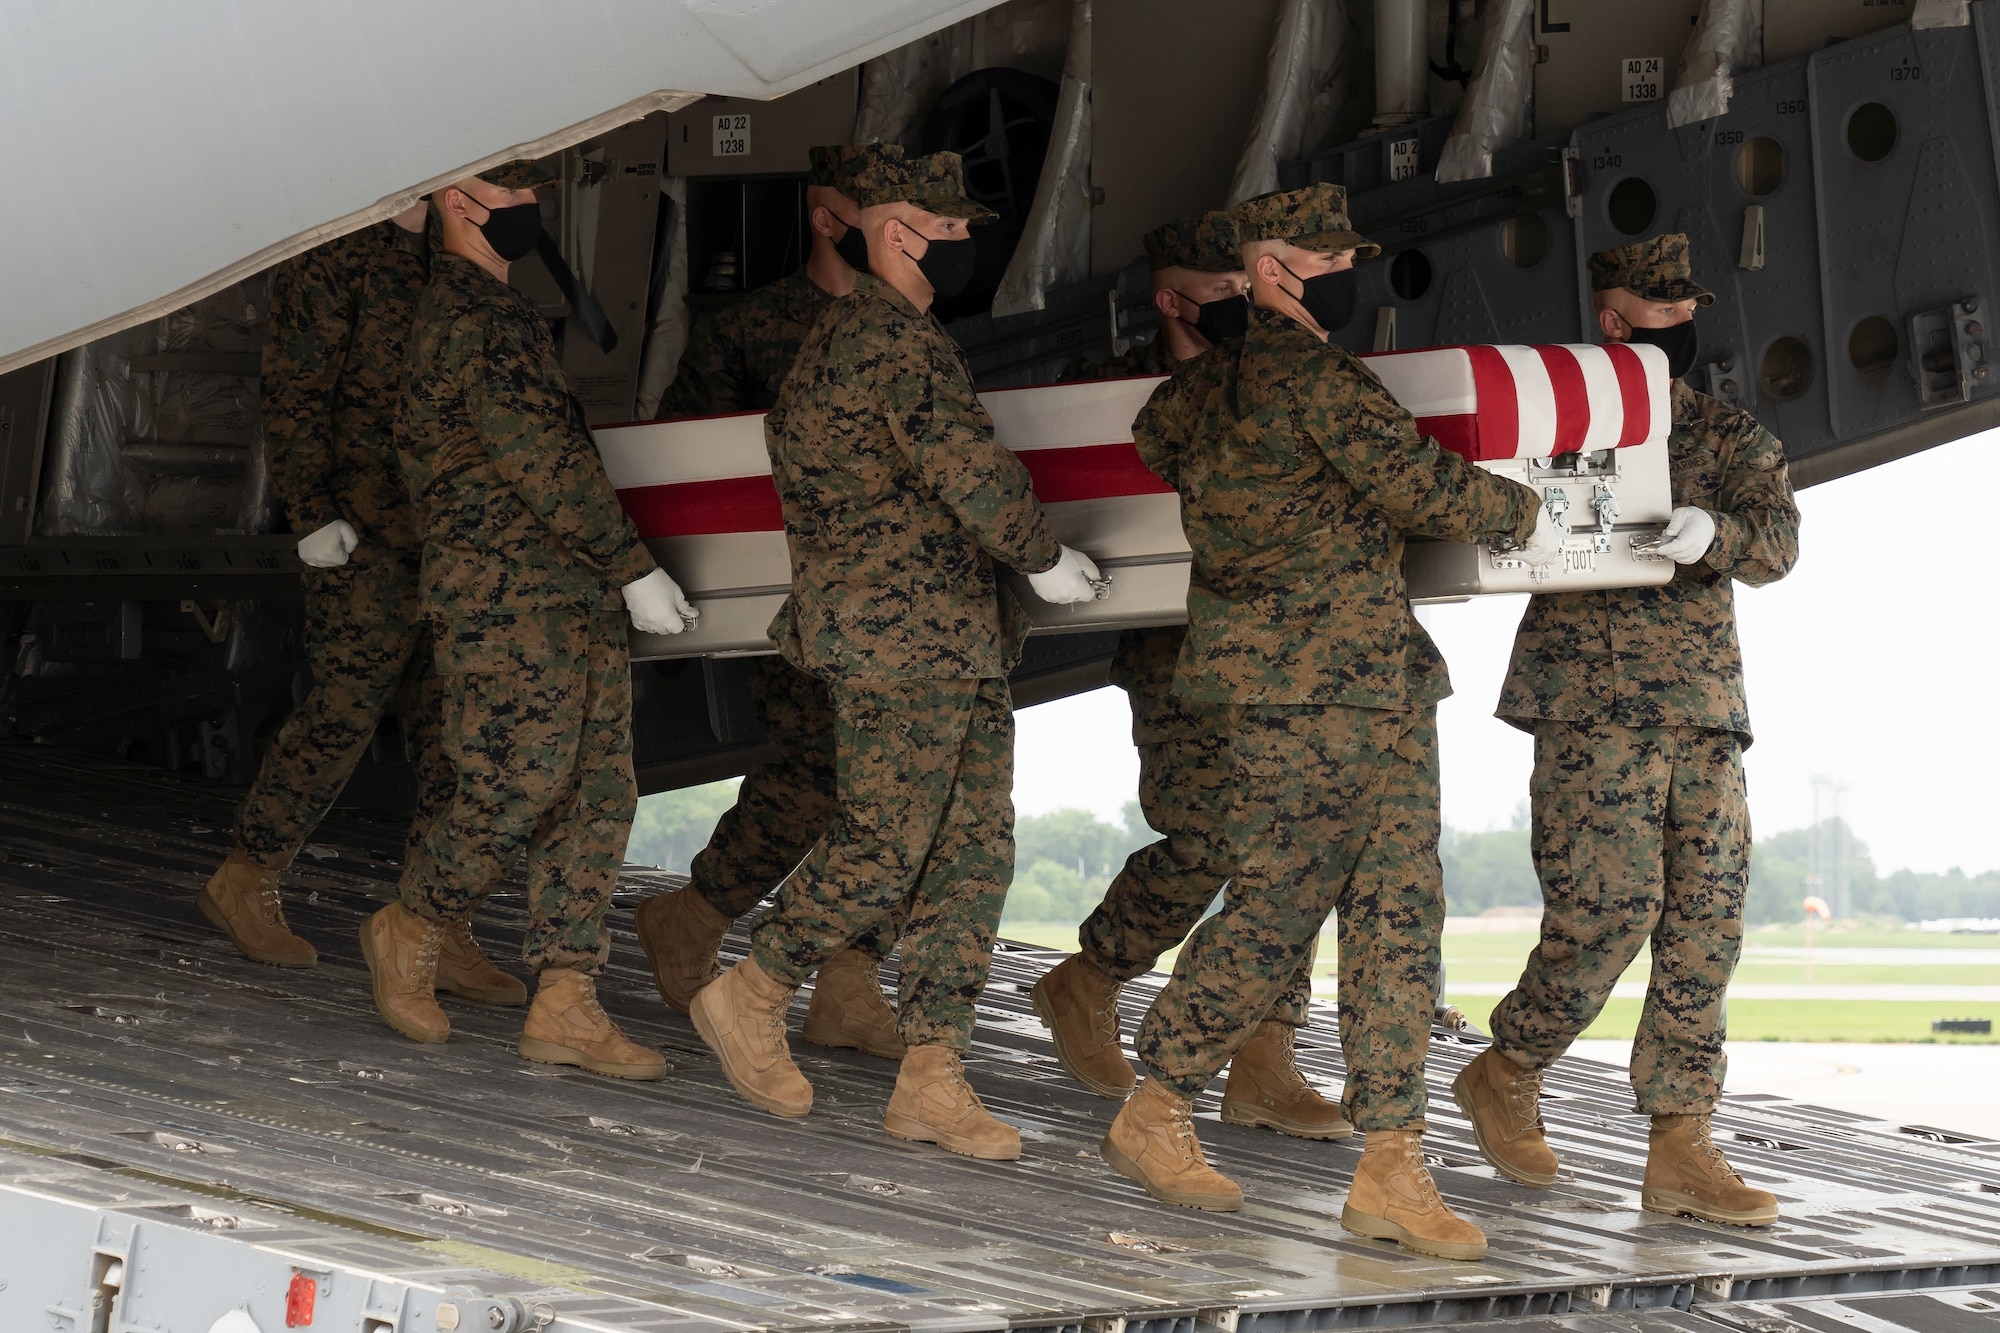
[1458,432]
[1632,394]
[1497,425]
[750,504]
[1572,398]
[1090,472]
[705,508]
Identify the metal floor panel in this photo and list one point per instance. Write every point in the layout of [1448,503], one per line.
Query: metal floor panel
[148,1073]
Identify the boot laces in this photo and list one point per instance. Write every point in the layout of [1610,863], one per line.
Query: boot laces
[1525,1096]
[586,1000]
[1180,1120]
[1104,1017]
[428,946]
[774,1024]
[961,1091]
[1288,1065]
[1413,1162]
[1707,1150]
[271,903]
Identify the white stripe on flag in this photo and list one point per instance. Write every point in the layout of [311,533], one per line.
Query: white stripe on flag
[662,453]
[1659,388]
[1067,416]
[1435,382]
[1607,404]
[1537,401]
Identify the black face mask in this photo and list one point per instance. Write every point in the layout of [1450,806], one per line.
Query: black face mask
[947,266]
[852,247]
[1223,319]
[1327,297]
[1681,343]
[511,231]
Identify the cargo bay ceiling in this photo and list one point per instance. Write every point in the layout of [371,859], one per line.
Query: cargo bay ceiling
[158,150]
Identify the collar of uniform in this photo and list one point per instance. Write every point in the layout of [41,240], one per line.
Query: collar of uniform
[1274,326]
[401,238]
[475,284]
[1681,400]
[805,297]
[867,284]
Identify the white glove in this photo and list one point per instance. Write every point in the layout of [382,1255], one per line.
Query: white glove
[1545,546]
[1072,579]
[1690,532]
[329,547]
[657,605]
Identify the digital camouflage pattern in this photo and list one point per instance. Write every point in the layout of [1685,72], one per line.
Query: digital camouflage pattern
[1144,359]
[1206,244]
[1668,656]
[367,644]
[1656,268]
[1312,218]
[1184,792]
[1641,821]
[829,165]
[331,377]
[1299,477]
[925,829]
[537,728]
[521,174]
[898,502]
[1641,835]
[738,356]
[524,552]
[784,804]
[1336,810]
[496,452]
[934,183]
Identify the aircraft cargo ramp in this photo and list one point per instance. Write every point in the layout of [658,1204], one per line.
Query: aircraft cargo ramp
[192,1142]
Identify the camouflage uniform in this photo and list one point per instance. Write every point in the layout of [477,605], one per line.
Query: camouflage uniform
[898,503]
[1183,747]
[525,550]
[1635,698]
[738,356]
[1299,477]
[735,362]
[333,368]
[1146,359]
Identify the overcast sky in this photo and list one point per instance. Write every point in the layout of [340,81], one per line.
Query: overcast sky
[1877,664]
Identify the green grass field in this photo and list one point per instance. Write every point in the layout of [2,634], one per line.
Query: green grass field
[1498,958]
[1787,1020]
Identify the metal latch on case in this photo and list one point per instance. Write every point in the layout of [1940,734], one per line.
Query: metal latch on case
[1556,500]
[1605,502]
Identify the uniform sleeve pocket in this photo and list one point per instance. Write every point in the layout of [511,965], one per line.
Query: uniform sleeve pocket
[461,649]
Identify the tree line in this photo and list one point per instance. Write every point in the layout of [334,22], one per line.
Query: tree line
[1064,860]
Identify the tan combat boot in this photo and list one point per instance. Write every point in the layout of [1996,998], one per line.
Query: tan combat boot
[402,952]
[1079,1006]
[1503,1102]
[567,1026]
[680,932]
[1394,1198]
[742,1018]
[464,971]
[1153,1142]
[241,899]
[1266,1089]
[1687,1173]
[933,1103]
[848,1008]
